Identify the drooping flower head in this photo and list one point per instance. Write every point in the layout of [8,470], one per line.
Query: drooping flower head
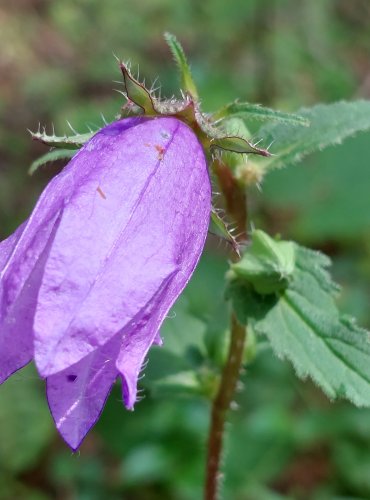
[87,280]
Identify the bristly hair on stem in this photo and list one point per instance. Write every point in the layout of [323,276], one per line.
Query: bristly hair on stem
[236,208]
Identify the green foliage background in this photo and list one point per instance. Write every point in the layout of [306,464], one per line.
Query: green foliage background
[286,440]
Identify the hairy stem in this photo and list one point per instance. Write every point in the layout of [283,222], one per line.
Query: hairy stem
[221,405]
[236,207]
[235,199]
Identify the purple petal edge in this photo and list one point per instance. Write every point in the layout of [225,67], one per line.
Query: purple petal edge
[77,395]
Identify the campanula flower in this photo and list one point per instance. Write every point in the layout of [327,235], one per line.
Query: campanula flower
[87,280]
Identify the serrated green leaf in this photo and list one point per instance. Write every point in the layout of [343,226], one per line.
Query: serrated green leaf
[267,265]
[178,53]
[56,154]
[257,112]
[304,326]
[329,124]
[62,142]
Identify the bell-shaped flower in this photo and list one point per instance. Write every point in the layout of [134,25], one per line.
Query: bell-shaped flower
[87,280]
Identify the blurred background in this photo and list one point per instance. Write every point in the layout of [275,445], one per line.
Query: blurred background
[286,440]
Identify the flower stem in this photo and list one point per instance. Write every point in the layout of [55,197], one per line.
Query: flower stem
[236,207]
[221,405]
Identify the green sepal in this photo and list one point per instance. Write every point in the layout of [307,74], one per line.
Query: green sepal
[237,144]
[137,93]
[235,127]
[267,265]
[142,101]
[187,82]
[221,225]
[62,142]
[54,155]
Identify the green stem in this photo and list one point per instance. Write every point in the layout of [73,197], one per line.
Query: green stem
[236,206]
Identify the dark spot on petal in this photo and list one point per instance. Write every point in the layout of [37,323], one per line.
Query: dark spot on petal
[71,378]
[160,150]
[100,191]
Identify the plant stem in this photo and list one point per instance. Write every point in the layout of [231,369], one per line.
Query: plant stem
[236,207]
[235,199]
[221,405]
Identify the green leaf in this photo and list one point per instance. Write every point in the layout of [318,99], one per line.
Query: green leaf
[178,53]
[329,124]
[63,142]
[54,155]
[257,112]
[267,265]
[304,326]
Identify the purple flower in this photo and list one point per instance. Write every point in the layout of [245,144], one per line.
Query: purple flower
[87,280]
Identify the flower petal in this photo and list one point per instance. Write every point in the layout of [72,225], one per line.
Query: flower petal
[124,230]
[7,246]
[136,341]
[31,239]
[16,321]
[6,250]
[76,395]
[189,232]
